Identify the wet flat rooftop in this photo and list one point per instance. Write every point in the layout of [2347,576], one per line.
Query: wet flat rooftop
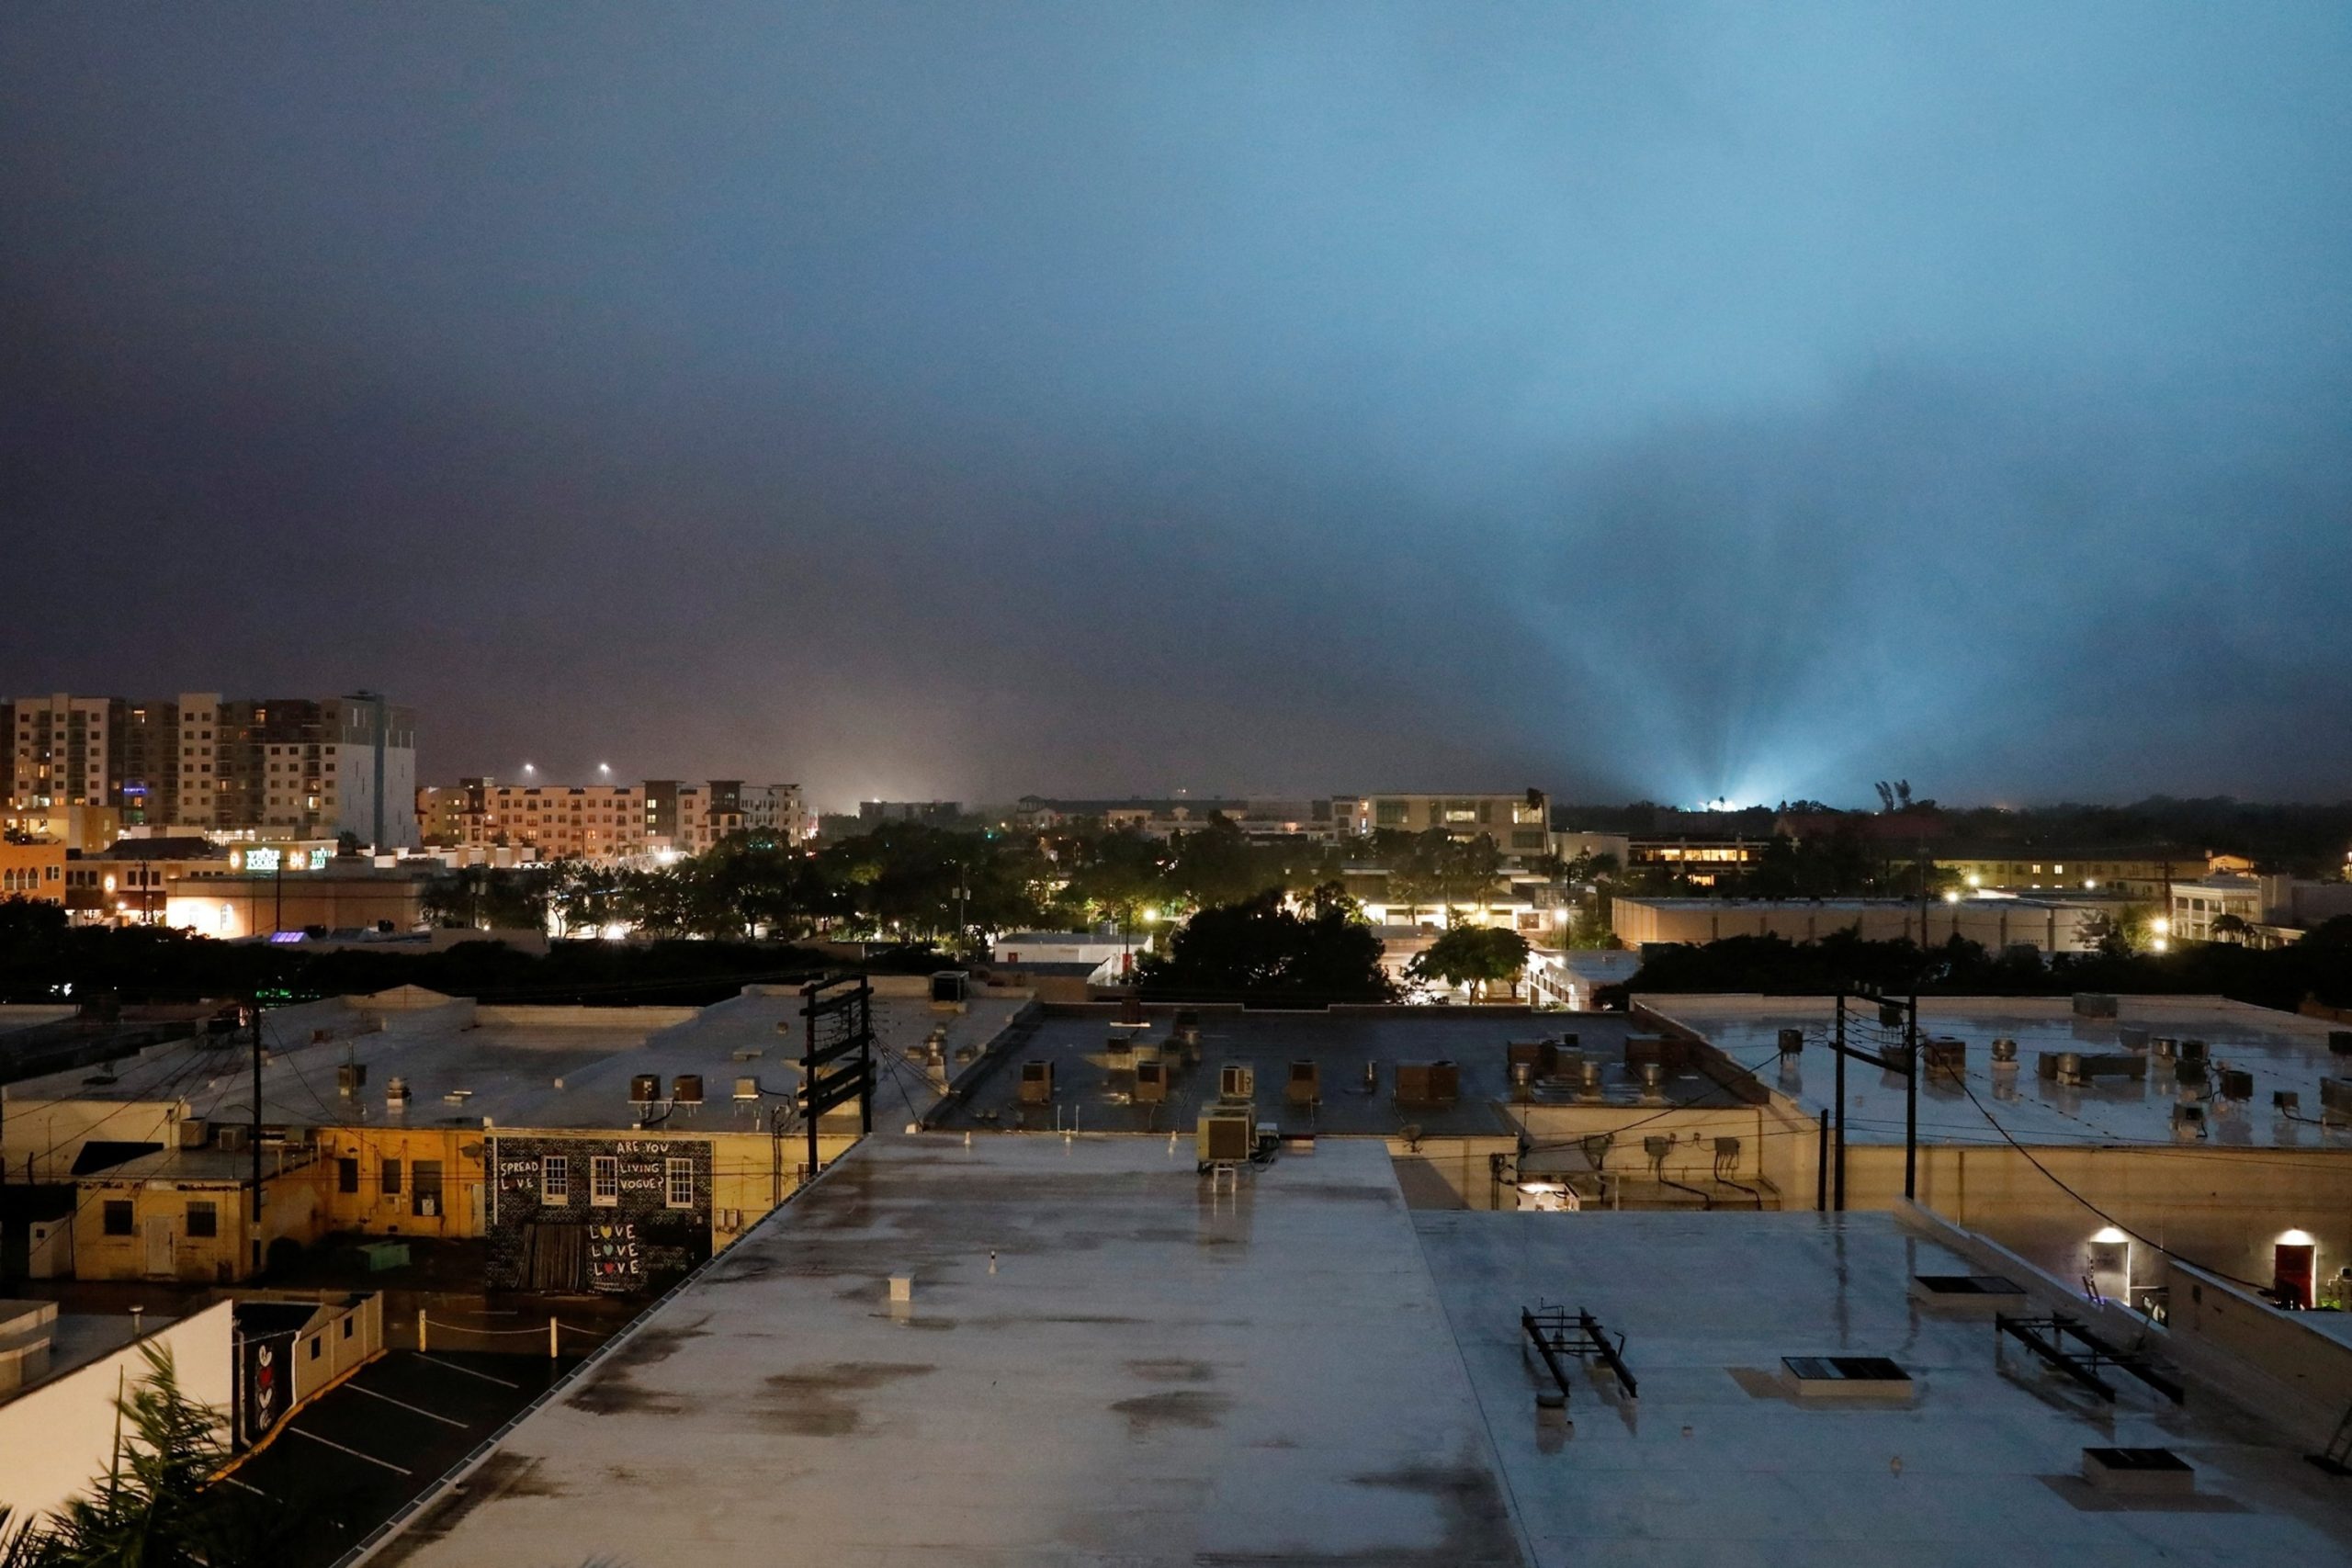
[1102,1363]
[1720,1461]
[1356,1057]
[2279,1052]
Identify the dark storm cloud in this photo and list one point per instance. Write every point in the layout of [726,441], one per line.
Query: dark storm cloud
[965,400]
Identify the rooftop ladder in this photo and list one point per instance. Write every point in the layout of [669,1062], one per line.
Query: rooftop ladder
[2047,1337]
[1556,1333]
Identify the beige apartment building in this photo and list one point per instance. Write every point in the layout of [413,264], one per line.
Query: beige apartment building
[1520,824]
[596,822]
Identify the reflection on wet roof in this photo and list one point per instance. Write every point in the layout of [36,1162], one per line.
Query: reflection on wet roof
[2117,1102]
[1100,1363]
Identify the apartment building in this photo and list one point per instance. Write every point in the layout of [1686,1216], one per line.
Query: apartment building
[779,811]
[294,766]
[595,822]
[1518,824]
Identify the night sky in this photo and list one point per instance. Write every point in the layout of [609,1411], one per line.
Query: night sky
[970,398]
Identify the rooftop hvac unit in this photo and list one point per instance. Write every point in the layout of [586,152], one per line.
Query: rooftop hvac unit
[1428,1083]
[1587,1076]
[231,1137]
[1791,1042]
[2094,1004]
[2188,1071]
[350,1078]
[2236,1084]
[1036,1083]
[2192,1051]
[1151,1082]
[2336,1098]
[1947,1058]
[1120,1048]
[1653,1078]
[644,1089]
[686,1089]
[195,1133]
[1540,1057]
[1236,1081]
[2065,1067]
[2132,1037]
[2286,1101]
[747,1089]
[2188,1120]
[947,987]
[1892,1015]
[2163,1047]
[1224,1135]
[396,1093]
[1304,1085]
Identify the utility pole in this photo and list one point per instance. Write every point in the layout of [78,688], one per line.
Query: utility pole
[252,1143]
[1838,1050]
[1911,1101]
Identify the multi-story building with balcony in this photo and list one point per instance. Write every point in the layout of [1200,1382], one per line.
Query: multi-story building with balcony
[1518,824]
[296,767]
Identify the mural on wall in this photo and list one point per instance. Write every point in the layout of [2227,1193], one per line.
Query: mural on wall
[605,1212]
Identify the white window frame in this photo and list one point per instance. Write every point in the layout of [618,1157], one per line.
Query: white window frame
[555,1178]
[673,1173]
[603,1181]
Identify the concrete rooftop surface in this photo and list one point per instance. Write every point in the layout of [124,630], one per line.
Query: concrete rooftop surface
[1147,1374]
[1719,1462]
[2280,1050]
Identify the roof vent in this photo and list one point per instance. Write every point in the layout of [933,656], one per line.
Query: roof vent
[686,1089]
[2005,1052]
[2139,1473]
[1791,1042]
[456,1097]
[747,1089]
[1968,1295]
[644,1089]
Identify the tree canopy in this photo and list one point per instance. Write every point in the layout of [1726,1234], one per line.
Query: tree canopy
[1260,949]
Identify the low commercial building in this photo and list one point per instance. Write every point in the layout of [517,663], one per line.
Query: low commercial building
[340,897]
[2096,1138]
[2143,871]
[549,1133]
[2047,923]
